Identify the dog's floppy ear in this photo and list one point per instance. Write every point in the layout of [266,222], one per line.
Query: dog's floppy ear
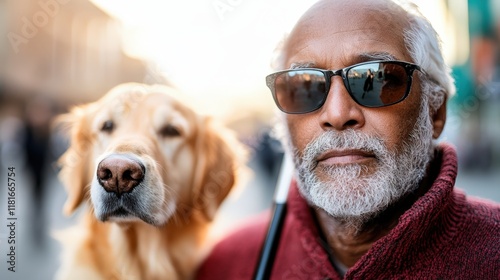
[76,166]
[219,156]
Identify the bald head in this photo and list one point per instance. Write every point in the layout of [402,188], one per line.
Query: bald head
[367,21]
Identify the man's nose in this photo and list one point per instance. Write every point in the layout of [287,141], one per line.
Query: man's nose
[340,111]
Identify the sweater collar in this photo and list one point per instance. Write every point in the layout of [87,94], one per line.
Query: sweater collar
[431,218]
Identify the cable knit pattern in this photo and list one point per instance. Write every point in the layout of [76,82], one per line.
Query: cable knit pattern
[444,235]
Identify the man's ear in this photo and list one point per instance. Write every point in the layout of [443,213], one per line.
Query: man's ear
[439,119]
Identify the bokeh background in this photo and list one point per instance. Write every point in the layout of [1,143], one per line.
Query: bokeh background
[55,54]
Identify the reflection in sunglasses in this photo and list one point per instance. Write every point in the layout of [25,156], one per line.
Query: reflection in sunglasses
[370,84]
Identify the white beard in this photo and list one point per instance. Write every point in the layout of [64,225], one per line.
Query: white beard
[349,194]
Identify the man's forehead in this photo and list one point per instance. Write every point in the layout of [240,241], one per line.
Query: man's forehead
[350,25]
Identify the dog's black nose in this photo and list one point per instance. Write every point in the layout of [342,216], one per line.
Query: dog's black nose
[120,173]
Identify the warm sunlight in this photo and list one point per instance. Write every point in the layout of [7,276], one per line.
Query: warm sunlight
[216,50]
[219,51]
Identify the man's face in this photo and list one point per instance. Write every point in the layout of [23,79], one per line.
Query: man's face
[349,156]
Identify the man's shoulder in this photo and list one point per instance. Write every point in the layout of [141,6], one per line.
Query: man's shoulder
[476,235]
[479,219]
[483,210]
[235,256]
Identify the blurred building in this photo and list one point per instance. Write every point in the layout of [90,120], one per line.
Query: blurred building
[476,106]
[68,50]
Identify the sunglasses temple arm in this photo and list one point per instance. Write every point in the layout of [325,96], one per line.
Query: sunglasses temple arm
[268,252]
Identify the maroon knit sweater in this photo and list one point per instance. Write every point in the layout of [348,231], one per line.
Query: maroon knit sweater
[444,235]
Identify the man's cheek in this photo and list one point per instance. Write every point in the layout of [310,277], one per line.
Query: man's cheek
[297,141]
[299,135]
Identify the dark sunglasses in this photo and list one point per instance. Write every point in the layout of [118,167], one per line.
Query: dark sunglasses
[371,84]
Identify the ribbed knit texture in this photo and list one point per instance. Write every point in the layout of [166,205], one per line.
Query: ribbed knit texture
[444,235]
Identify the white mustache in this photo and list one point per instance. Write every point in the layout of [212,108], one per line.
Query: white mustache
[349,139]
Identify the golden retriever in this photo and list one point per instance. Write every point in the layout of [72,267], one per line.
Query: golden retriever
[152,173]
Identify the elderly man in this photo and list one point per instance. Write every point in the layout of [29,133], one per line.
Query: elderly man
[374,197]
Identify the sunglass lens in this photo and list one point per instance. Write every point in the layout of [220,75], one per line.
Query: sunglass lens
[300,91]
[378,84]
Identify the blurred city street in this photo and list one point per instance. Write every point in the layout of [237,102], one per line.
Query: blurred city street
[57,54]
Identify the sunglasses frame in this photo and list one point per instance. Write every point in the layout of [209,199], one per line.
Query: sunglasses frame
[328,74]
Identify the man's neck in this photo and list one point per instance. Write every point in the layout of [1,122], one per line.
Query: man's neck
[348,243]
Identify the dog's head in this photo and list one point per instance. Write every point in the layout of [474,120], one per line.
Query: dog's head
[140,154]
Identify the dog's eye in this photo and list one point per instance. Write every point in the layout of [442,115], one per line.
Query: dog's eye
[169,131]
[108,126]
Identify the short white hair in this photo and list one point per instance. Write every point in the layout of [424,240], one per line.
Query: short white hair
[424,46]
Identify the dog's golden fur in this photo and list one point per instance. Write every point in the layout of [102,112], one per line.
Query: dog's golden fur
[190,166]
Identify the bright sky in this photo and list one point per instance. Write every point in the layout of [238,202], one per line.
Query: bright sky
[218,50]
